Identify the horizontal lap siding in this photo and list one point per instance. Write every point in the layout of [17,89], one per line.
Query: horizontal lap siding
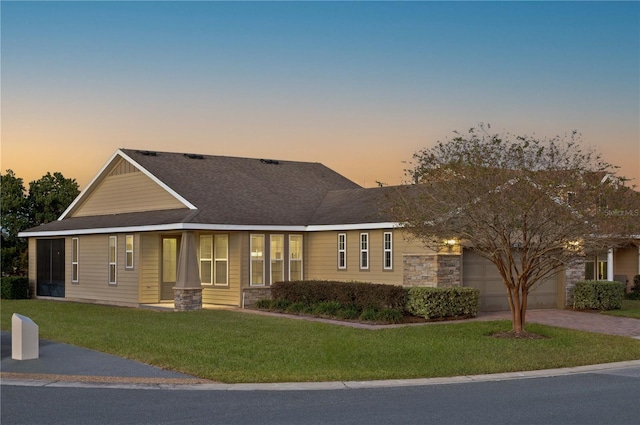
[149,260]
[625,262]
[228,295]
[322,258]
[93,271]
[125,193]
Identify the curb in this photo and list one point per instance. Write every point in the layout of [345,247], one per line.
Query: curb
[70,381]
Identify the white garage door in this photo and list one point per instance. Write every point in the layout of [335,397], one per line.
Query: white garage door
[482,274]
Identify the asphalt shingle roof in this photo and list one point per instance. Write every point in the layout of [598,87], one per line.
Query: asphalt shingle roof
[244,191]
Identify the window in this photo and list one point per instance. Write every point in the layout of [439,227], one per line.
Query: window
[169,259]
[128,252]
[277,258]
[221,264]
[388,251]
[342,250]
[74,260]
[295,257]
[113,259]
[364,250]
[257,260]
[206,259]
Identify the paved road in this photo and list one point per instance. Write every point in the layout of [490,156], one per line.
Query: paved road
[604,397]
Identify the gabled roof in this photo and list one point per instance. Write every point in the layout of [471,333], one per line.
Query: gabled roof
[221,192]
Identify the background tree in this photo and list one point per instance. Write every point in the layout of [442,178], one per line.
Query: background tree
[46,200]
[528,205]
[13,219]
[49,197]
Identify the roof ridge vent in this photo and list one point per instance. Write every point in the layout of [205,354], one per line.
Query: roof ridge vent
[270,161]
[147,153]
[193,156]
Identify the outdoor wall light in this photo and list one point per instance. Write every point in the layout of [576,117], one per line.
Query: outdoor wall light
[450,242]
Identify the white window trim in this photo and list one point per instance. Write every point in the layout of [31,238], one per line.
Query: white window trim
[364,251]
[386,250]
[115,262]
[216,259]
[251,260]
[127,251]
[301,256]
[75,248]
[271,259]
[342,250]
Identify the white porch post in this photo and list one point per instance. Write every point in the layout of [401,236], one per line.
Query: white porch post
[610,265]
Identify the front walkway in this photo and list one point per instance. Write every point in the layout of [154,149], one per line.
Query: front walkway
[591,322]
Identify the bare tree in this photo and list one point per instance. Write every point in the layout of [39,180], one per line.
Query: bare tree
[528,205]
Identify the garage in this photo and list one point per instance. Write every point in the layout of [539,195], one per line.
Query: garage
[480,273]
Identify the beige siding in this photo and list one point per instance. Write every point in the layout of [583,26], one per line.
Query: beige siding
[625,262]
[122,193]
[148,257]
[93,272]
[321,260]
[228,295]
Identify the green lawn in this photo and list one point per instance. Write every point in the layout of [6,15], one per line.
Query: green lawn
[630,308]
[231,346]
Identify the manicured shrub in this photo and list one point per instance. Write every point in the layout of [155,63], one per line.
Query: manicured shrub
[434,303]
[634,294]
[360,294]
[389,315]
[14,287]
[598,295]
[263,304]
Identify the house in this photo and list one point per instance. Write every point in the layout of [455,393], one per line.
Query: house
[154,227]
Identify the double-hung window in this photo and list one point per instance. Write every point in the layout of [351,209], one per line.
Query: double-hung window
[257,260]
[113,259]
[364,251]
[214,259]
[206,259]
[342,251]
[295,257]
[277,258]
[388,251]
[221,262]
[74,260]
[128,252]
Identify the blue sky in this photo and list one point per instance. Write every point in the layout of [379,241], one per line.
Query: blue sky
[358,86]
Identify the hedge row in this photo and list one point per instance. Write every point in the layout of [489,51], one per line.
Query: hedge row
[433,303]
[14,287]
[598,295]
[359,294]
[429,303]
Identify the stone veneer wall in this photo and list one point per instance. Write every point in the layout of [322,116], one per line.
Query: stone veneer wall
[251,295]
[573,273]
[434,270]
[187,299]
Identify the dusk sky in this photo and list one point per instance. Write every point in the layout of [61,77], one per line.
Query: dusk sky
[357,86]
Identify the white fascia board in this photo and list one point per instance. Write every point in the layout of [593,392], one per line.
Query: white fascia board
[87,187]
[355,226]
[211,227]
[158,181]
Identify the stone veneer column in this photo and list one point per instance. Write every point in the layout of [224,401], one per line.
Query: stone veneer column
[449,270]
[573,273]
[188,291]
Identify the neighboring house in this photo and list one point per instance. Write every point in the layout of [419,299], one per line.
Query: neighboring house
[189,229]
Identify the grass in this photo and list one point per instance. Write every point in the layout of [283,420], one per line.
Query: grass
[229,346]
[630,308]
